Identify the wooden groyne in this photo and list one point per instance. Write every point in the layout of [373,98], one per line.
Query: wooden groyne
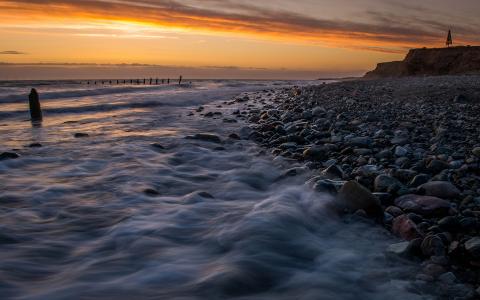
[139,81]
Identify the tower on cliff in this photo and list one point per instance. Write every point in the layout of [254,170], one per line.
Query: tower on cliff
[449,38]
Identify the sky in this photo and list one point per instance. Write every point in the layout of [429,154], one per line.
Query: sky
[284,39]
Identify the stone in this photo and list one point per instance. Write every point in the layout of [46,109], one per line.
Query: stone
[234,136]
[440,189]
[366,171]
[360,141]
[394,211]
[433,245]
[476,151]
[157,146]
[209,114]
[207,137]
[423,205]
[433,270]
[151,192]
[80,135]
[405,228]
[316,153]
[354,196]
[419,180]
[400,151]
[447,278]
[35,145]
[318,111]
[436,166]
[8,155]
[472,246]
[448,223]
[333,172]
[328,186]
[460,99]
[384,183]
[399,249]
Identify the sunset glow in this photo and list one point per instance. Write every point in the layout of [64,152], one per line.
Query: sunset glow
[223,33]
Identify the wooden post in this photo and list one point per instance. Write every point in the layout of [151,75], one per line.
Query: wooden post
[150,81]
[168,81]
[35,109]
[180,80]
[156,81]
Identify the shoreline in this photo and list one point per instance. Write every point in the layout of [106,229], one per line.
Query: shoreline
[405,152]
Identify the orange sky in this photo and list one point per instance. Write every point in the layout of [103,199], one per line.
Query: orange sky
[316,36]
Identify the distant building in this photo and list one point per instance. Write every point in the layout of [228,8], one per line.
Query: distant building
[449,38]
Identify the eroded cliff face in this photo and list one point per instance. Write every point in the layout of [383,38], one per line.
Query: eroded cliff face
[435,61]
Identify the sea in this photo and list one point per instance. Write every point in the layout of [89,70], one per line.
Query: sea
[110,199]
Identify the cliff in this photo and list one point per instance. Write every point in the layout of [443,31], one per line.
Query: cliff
[435,61]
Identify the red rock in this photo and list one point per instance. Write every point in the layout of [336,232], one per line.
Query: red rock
[405,228]
[423,205]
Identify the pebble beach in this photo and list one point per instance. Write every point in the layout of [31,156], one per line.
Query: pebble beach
[403,153]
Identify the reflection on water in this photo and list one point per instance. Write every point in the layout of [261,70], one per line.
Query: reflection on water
[110,216]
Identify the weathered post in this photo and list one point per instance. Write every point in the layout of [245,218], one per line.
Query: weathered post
[151,81]
[143,81]
[156,81]
[168,81]
[35,109]
[180,80]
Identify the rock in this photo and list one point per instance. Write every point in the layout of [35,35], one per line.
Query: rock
[316,153]
[328,186]
[385,183]
[436,166]
[366,171]
[399,249]
[447,278]
[80,135]
[394,211]
[400,151]
[354,196]
[318,111]
[423,205]
[151,192]
[472,246]
[35,145]
[433,245]
[440,189]
[157,146]
[333,172]
[207,137]
[384,154]
[476,151]
[460,99]
[405,228]
[419,180]
[448,223]
[433,270]
[234,136]
[8,155]
[360,141]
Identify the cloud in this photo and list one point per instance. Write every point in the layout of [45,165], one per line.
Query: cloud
[380,31]
[11,52]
